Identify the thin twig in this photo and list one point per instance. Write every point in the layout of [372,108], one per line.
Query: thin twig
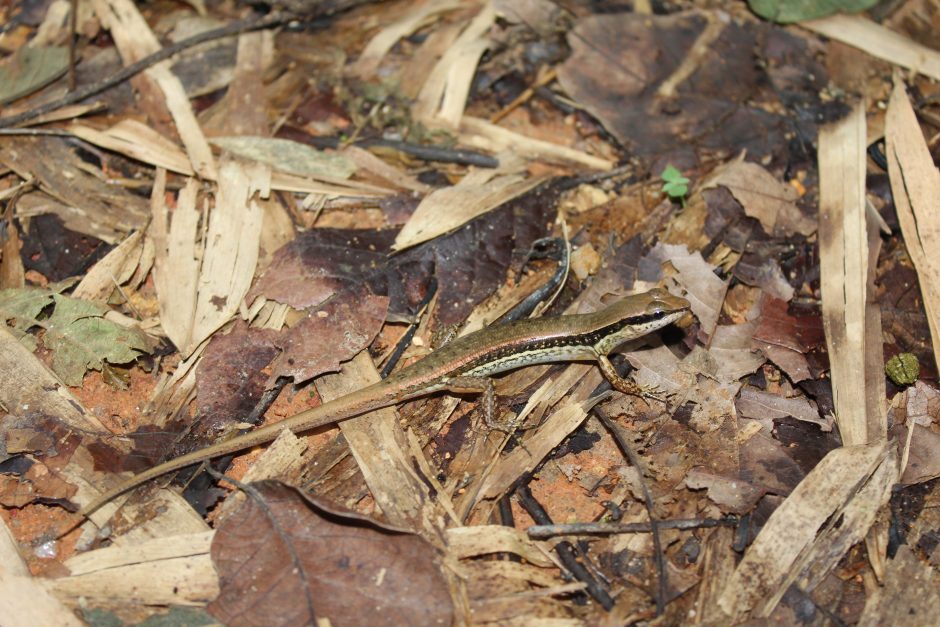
[565,550]
[73,27]
[634,459]
[544,532]
[235,28]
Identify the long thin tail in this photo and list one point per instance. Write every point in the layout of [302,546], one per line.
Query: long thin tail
[339,409]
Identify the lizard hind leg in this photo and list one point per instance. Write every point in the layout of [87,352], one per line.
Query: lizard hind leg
[479,385]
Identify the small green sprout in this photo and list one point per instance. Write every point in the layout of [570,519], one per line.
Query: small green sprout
[675,185]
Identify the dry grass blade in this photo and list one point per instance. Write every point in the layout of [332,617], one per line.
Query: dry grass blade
[201,281]
[138,141]
[444,95]
[878,41]
[448,208]
[843,249]
[382,42]
[481,134]
[168,570]
[915,183]
[779,553]
[117,267]
[135,40]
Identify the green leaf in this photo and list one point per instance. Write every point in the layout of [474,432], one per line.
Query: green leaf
[31,68]
[20,309]
[76,331]
[674,184]
[81,339]
[672,173]
[788,11]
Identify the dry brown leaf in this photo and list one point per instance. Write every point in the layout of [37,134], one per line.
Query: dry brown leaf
[448,208]
[733,495]
[703,288]
[763,197]
[909,597]
[915,414]
[729,357]
[295,558]
[12,273]
[660,369]
[117,267]
[347,323]
[766,407]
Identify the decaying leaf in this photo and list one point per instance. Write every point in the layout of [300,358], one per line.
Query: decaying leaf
[347,324]
[31,68]
[704,289]
[286,559]
[763,197]
[787,338]
[289,156]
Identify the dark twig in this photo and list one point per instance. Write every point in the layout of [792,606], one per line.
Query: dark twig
[557,249]
[235,28]
[506,519]
[623,441]
[35,132]
[440,154]
[544,532]
[565,550]
[409,333]
[73,27]
[200,482]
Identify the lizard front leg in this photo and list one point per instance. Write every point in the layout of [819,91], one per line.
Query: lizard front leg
[623,385]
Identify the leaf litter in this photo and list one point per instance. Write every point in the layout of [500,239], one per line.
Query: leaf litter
[464,133]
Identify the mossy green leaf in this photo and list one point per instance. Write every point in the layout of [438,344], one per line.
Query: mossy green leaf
[789,11]
[20,309]
[31,68]
[76,331]
[288,156]
[81,339]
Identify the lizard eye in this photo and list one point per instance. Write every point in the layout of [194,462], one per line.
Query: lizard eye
[656,310]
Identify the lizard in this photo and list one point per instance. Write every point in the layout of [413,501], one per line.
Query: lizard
[464,365]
